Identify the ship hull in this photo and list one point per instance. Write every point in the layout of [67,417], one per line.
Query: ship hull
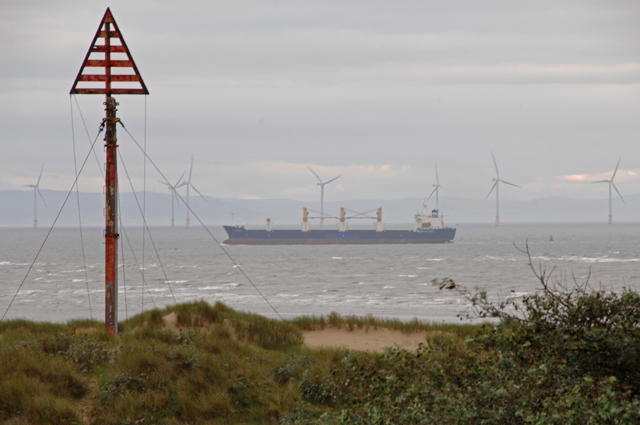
[242,236]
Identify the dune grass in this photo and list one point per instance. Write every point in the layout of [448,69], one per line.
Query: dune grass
[215,366]
[351,322]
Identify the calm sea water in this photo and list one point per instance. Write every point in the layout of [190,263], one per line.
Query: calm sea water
[391,280]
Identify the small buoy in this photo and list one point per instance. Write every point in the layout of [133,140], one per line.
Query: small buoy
[551,238]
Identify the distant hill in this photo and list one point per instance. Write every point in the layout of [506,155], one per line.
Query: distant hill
[16,209]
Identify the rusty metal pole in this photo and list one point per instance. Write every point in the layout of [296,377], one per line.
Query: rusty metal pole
[111,203]
[110,31]
[111,219]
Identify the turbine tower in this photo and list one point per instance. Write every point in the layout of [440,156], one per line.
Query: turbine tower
[437,186]
[611,183]
[190,185]
[36,188]
[496,186]
[174,194]
[321,184]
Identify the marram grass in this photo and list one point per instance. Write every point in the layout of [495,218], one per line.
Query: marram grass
[216,366]
[351,322]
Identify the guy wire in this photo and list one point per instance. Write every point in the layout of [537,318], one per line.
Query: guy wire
[75,181]
[203,225]
[149,231]
[75,167]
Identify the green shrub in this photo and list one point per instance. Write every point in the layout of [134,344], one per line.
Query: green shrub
[563,355]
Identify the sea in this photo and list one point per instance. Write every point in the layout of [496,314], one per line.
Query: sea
[56,281]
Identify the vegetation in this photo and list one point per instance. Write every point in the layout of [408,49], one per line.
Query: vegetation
[336,320]
[566,355]
[569,354]
[217,366]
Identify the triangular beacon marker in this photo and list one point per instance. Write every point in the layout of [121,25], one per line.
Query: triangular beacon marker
[107,42]
[110,53]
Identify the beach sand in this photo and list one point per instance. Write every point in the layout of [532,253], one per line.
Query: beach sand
[374,340]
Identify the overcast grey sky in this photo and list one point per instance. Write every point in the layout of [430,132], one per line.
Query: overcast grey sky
[373,90]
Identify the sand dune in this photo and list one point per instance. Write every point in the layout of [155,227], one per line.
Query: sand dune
[374,340]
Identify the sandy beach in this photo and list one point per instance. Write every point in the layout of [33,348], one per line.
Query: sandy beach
[374,340]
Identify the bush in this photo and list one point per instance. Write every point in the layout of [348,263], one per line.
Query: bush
[563,355]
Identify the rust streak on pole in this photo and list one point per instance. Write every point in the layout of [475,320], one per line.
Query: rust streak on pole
[107,30]
[111,205]
[111,220]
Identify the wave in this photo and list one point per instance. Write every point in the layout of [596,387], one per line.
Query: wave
[603,259]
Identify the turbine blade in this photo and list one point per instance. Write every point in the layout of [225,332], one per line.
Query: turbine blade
[492,187]
[179,179]
[191,169]
[601,181]
[177,199]
[330,180]
[40,176]
[197,191]
[429,197]
[502,181]
[164,183]
[496,165]
[616,170]
[314,173]
[614,186]
[437,180]
[45,202]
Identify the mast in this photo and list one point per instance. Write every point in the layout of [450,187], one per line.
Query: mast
[35,208]
[109,31]
[111,219]
[497,203]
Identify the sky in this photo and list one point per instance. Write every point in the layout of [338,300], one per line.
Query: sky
[374,91]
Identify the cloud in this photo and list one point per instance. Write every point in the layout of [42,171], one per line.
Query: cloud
[374,91]
[354,172]
[621,176]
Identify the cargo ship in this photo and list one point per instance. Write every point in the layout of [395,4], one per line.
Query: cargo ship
[428,228]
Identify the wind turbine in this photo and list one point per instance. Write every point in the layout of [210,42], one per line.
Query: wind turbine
[321,184]
[437,186]
[36,188]
[611,183]
[496,186]
[190,185]
[174,194]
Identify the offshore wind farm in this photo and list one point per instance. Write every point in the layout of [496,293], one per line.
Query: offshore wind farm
[611,184]
[353,139]
[255,147]
[36,192]
[496,186]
